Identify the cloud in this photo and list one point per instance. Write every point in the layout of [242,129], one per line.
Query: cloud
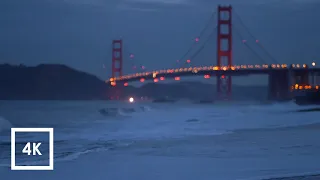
[161,1]
[126,7]
[176,5]
[86,2]
[152,5]
[106,2]
[182,2]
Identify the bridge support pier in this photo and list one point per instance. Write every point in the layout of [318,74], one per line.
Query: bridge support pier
[280,83]
[300,77]
[315,76]
[116,92]
[278,86]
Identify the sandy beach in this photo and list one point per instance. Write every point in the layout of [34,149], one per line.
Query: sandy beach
[141,162]
[101,166]
[160,144]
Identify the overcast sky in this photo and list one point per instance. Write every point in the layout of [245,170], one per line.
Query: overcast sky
[78,33]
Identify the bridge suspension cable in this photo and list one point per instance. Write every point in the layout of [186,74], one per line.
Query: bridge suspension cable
[135,63]
[252,36]
[209,22]
[247,45]
[212,34]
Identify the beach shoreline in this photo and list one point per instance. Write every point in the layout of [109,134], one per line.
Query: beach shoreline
[109,165]
[251,143]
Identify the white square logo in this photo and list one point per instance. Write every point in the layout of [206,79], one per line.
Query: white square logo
[31,148]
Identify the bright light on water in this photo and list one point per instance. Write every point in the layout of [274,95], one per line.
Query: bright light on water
[131,100]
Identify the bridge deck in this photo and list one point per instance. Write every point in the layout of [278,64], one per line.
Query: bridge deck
[212,71]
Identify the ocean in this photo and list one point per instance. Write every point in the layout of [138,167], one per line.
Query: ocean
[144,140]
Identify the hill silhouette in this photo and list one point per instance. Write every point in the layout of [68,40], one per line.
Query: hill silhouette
[60,82]
[49,81]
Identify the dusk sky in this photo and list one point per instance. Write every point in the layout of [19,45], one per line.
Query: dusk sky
[78,33]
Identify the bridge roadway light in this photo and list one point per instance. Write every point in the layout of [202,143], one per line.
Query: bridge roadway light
[154,75]
[313,64]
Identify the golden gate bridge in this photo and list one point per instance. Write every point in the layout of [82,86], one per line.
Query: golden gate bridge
[282,78]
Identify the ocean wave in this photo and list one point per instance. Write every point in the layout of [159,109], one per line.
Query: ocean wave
[114,112]
[73,153]
[149,124]
[311,126]
[289,176]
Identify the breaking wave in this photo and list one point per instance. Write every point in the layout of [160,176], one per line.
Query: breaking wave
[114,112]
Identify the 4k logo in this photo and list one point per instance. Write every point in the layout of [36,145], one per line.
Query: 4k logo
[31,148]
[35,150]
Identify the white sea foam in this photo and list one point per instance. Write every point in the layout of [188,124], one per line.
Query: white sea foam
[184,130]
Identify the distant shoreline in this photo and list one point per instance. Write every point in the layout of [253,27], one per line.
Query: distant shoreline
[60,82]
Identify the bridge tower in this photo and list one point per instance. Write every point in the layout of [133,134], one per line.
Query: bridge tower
[116,66]
[224,49]
[117,58]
